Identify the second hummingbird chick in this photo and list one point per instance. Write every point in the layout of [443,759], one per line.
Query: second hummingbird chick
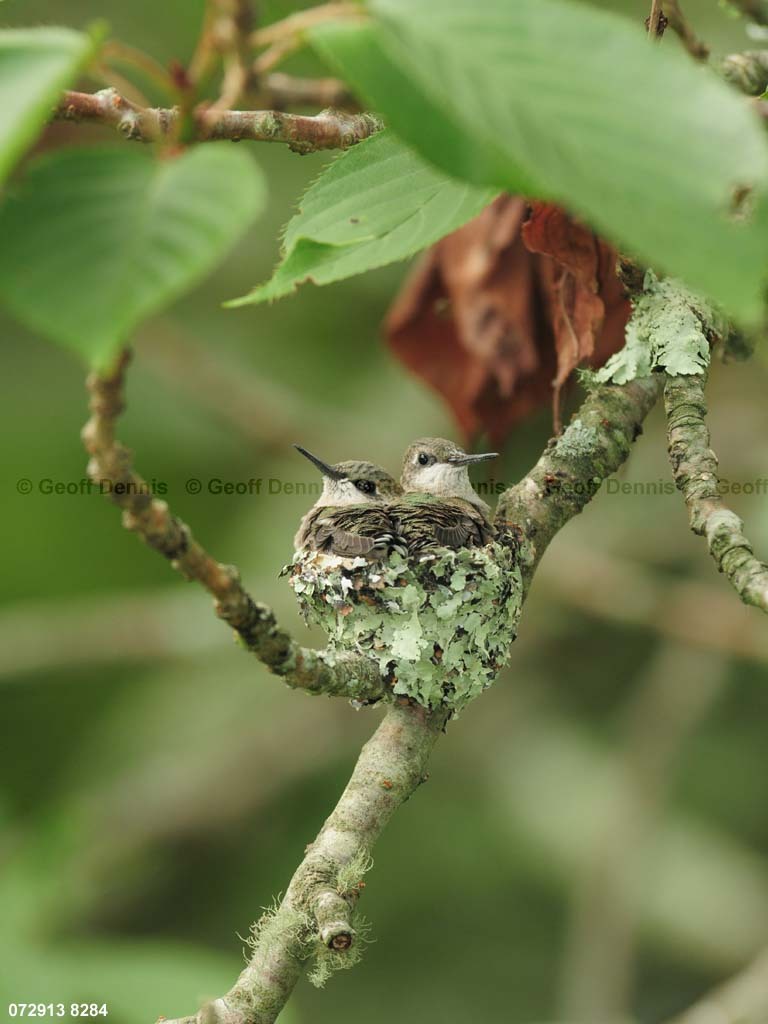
[440,508]
[350,518]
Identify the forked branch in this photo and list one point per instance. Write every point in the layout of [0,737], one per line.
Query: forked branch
[315,922]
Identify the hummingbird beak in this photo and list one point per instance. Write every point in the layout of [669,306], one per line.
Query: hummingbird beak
[470,460]
[325,469]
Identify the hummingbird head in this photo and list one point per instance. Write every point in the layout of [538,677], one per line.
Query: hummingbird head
[433,465]
[352,482]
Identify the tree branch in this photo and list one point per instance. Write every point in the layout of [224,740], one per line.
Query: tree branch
[330,129]
[682,28]
[315,918]
[332,673]
[231,25]
[294,25]
[573,467]
[656,22]
[694,466]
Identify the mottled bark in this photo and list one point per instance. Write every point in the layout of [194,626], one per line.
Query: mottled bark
[695,469]
[330,129]
[390,767]
[573,468]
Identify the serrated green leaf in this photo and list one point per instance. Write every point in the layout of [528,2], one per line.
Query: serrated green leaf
[96,240]
[571,103]
[375,204]
[35,65]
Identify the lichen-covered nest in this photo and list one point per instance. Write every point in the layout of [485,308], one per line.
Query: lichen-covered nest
[440,627]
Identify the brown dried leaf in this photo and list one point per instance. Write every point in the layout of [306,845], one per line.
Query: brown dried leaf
[498,314]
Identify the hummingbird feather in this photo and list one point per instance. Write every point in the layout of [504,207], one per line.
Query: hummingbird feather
[353,531]
[425,522]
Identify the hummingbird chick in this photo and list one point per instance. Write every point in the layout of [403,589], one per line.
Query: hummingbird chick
[439,507]
[350,518]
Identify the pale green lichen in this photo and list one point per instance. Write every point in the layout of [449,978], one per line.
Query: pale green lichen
[670,330]
[350,875]
[282,925]
[277,925]
[577,442]
[439,628]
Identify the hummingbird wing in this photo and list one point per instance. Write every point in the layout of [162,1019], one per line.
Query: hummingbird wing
[454,536]
[355,531]
[426,522]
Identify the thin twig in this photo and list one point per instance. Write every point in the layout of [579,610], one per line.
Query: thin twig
[335,674]
[275,55]
[289,91]
[682,27]
[330,129]
[694,466]
[655,21]
[299,22]
[230,28]
[152,70]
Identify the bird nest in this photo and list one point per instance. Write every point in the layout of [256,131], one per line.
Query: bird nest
[440,627]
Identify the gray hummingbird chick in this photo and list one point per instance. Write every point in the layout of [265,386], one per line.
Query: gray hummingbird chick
[350,518]
[439,507]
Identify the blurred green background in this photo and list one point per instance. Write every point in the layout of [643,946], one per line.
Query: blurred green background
[593,842]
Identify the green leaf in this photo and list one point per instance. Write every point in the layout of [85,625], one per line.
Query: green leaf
[35,65]
[96,240]
[375,204]
[573,104]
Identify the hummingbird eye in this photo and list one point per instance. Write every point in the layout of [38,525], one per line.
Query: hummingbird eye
[423,459]
[366,486]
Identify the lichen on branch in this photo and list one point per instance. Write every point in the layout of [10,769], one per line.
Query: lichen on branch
[670,329]
[695,470]
[573,467]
